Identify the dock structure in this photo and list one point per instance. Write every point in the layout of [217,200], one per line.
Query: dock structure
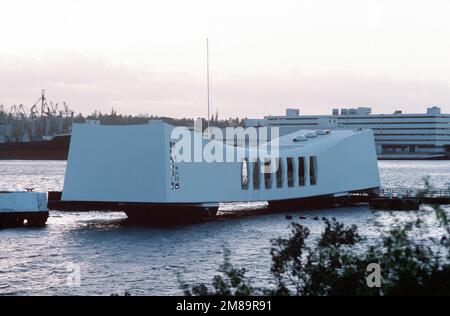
[409,198]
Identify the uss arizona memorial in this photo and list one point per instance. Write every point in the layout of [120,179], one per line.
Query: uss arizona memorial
[135,169]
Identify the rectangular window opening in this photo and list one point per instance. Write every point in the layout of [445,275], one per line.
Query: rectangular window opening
[279,173]
[301,171]
[313,170]
[244,174]
[256,174]
[267,174]
[290,172]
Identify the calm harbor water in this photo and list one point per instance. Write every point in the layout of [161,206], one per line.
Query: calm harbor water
[112,257]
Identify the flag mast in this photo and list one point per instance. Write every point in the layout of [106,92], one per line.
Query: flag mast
[207,80]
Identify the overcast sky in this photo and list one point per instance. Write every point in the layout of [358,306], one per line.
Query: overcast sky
[149,56]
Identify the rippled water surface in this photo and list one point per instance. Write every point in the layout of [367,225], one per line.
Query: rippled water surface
[113,257]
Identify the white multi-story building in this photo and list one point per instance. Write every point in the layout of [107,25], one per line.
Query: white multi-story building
[397,135]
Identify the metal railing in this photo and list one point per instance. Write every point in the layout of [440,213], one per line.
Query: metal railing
[410,193]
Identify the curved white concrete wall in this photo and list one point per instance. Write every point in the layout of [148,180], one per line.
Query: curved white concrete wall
[132,164]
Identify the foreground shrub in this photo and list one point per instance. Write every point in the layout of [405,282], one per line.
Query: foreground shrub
[341,262]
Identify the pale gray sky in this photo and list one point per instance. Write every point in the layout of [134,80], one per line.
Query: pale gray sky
[149,56]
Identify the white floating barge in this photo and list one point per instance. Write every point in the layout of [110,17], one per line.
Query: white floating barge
[130,169]
[23,208]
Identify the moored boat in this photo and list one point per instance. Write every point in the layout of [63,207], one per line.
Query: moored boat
[51,148]
[23,208]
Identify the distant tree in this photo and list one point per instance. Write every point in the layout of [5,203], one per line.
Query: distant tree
[79,118]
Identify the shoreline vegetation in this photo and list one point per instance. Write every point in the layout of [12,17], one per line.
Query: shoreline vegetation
[405,260]
[119,119]
[18,125]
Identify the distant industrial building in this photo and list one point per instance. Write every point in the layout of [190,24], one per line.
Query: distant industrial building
[397,135]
